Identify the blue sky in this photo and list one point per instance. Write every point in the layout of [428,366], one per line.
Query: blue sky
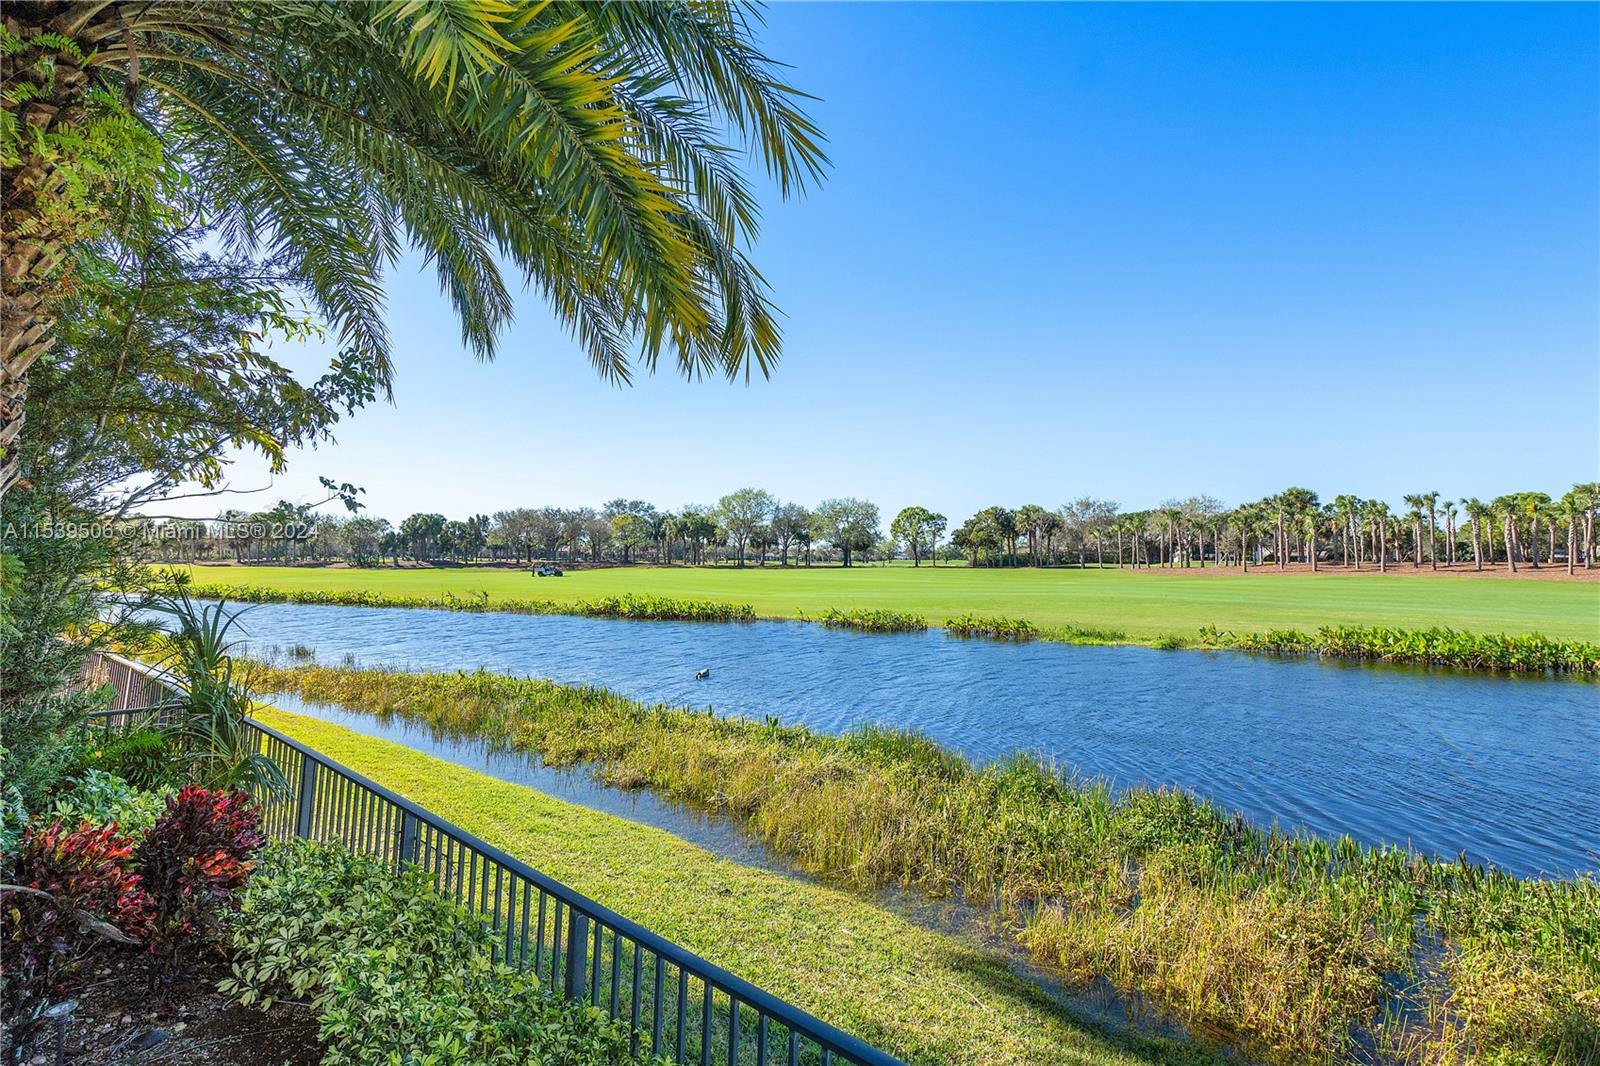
[1133,252]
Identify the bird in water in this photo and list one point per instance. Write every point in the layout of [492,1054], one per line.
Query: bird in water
[701,675]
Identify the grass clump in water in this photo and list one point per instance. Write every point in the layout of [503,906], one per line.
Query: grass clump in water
[1290,946]
[869,621]
[665,608]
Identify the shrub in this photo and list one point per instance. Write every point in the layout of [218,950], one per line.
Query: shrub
[142,758]
[395,971]
[97,797]
[194,861]
[873,621]
[72,892]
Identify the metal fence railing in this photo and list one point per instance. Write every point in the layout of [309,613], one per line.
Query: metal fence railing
[676,1004]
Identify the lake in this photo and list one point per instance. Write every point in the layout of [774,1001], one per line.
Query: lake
[1504,769]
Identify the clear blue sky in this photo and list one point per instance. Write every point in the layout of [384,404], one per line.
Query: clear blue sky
[1133,252]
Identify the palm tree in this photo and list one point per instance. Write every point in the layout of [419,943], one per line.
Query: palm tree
[1430,502]
[1416,502]
[1377,513]
[1533,506]
[1448,509]
[1571,508]
[577,142]
[1506,508]
[1478,513]
[1590,493]
[1348,507]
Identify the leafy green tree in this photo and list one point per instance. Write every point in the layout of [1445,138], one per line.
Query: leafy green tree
[743,514]
[790,522]
[914,527]
[849,524]
[579,143]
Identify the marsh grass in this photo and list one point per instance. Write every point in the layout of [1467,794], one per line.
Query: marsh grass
[1292,947]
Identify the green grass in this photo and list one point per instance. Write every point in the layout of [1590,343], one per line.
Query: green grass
[1144,605]
[1283,943]
[920,995]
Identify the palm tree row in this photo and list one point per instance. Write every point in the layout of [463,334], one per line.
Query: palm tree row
[1519,530]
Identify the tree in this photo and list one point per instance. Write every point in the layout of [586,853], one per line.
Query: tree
[789,523]
[423,534]
[576,142]
[849,524]
[1478,514]
[912,527]
[743,513]
[935,526]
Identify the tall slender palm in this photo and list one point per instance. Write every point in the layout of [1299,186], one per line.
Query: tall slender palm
[1377,515]
[1416,501]
[1448,509]
[1506,509]
[579,143]
[1430,502]
[1590,492]
[1478,514]
[1533,506]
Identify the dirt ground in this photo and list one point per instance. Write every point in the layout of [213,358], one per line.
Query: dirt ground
[118,1022]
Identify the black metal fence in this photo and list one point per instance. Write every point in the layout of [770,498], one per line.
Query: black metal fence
[677,1005]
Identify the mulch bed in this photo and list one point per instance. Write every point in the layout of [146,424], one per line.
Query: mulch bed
[118,1021]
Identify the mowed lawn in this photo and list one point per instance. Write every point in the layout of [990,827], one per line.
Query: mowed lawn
[1142,604]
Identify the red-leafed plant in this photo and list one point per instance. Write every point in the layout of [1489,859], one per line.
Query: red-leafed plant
[68,894]
[194,861]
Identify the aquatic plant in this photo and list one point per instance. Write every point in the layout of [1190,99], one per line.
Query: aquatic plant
[1528,653]
[997,627]
[664,609]
[869,621]
[1293,945]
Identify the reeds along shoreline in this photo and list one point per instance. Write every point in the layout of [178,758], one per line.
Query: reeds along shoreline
[1296,948]
[1529,653]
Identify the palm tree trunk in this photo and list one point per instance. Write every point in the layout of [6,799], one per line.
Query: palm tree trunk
[34,238]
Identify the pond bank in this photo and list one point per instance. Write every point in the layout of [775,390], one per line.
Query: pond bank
[920,995]
[1291,944]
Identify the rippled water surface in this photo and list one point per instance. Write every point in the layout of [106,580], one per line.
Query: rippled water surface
[1504,769]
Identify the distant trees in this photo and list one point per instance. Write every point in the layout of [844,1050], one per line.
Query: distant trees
[1292,527]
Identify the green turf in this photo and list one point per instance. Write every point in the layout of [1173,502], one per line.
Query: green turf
[1142,604]
[925,997]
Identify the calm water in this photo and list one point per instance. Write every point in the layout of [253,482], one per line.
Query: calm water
[1506,770]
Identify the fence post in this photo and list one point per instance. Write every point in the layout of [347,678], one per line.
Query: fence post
[577,982]
[308,796]
[408,839]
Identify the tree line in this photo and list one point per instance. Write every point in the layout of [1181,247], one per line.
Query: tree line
[1530,530]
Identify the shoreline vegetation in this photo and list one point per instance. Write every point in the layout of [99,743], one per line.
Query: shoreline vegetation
[1530,653]
[925,996]
[1293,948]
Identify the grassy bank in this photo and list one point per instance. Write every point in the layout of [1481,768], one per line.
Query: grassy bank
[1144,605]
[1295,948]
[922,996]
